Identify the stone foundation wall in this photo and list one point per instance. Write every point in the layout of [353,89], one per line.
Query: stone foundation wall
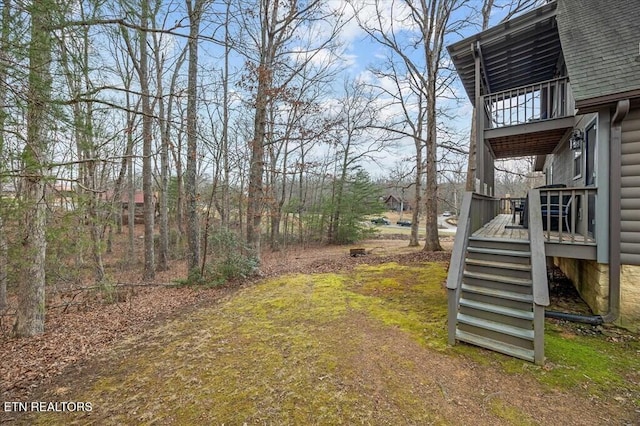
[591,279]
[630,297]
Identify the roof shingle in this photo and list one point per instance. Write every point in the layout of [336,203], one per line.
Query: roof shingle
[600,42]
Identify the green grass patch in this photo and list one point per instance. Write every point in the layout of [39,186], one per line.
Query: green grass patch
[590,362]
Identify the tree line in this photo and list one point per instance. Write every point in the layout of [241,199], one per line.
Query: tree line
[238,122]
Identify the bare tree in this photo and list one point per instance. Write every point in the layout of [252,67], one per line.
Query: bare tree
[194,10]
[165,110]
[357,115]
[140,62]
[31,287]
[4,48]
[273,62]
[406,94]
[74,55]
[421,57]
[124,67]
[147,139]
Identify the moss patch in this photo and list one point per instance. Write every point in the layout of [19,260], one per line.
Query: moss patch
[598,366]
[408,297]
[511,414]
[363,347]
[282,351]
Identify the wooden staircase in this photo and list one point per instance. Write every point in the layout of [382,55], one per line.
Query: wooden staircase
[497,287]
[495,304]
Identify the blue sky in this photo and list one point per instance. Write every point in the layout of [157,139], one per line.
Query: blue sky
[359,53]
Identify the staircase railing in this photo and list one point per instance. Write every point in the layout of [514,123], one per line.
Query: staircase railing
[476,210]
[538,273]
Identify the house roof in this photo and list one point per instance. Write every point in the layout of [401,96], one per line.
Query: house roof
[600,41]
[138,197]
[518,52]
[124,197]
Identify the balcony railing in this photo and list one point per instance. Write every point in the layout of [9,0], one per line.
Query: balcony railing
[540,101]
[568,215]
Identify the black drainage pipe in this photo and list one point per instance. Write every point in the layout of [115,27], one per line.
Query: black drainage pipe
[584,319]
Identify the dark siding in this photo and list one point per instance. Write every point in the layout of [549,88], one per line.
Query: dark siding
[630,202]
[563,158]
[563,165]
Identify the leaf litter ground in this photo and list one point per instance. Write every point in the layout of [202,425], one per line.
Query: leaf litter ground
[324,338]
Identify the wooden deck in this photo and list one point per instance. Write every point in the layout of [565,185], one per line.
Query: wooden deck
[499,227]
[502,227]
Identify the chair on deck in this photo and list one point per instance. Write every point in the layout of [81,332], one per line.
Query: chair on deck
[558,211]
[517,208]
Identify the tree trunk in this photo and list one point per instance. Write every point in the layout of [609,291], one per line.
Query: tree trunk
[131,213]
[3,266]
[163,252]
[131,218]
[31,287]
[147,135]
[4,47]
[193,225]
[177,159]
[417,202]
[256,167]
[432,242]
[226,207]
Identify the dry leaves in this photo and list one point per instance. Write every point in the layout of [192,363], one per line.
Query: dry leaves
[89,326]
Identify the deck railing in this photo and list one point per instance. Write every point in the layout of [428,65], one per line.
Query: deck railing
[568,215]
[539,284]
[540,101]
[476,211]
[505,205]
[483,210]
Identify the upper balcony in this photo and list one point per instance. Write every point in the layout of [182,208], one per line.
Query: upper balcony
[528,120]
[514,74]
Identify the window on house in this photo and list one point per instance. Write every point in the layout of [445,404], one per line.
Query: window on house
[577,162]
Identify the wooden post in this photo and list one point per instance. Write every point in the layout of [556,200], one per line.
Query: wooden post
[480,112]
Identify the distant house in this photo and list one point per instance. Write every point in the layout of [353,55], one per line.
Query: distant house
[561,84]
[138,207]
[396,203]
[62,195]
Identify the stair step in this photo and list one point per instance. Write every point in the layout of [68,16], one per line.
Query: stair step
[496,309]
[494,345]
[499,240]
[498,278]
[501,294]
[499,243]
[499,265]
[499,252]
[498,327]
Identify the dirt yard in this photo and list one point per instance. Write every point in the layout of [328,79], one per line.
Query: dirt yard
[318,338]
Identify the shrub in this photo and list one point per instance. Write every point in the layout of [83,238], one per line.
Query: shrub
[231,258]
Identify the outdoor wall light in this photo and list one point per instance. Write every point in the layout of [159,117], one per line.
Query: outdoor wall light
[576,139]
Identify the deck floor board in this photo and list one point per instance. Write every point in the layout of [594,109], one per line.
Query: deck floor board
[502,227]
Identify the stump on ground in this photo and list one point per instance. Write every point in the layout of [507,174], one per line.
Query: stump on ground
[354,252]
